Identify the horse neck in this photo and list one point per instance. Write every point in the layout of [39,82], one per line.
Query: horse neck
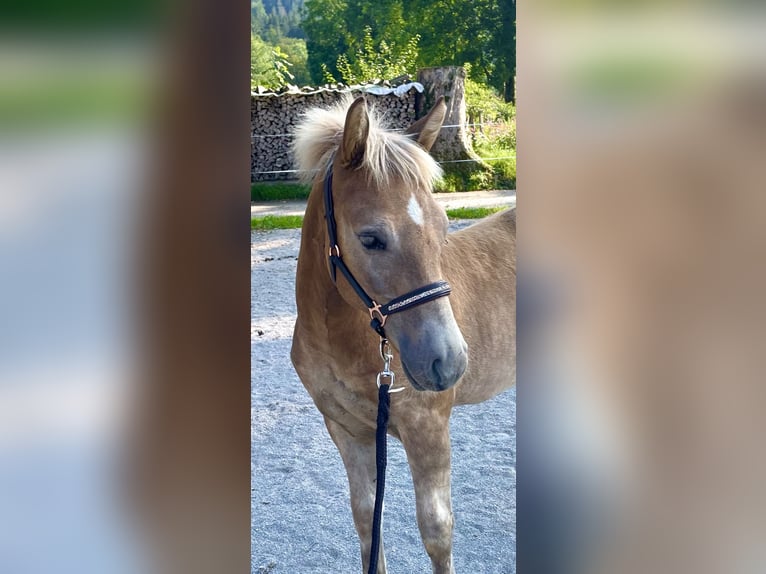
[312,260]
[317,297]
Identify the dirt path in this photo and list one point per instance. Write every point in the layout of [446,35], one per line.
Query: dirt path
[496,198]
[301,517]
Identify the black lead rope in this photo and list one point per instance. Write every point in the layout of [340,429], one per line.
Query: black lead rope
[378,316]
[381,456]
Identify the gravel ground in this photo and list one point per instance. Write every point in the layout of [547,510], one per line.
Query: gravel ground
[301,517]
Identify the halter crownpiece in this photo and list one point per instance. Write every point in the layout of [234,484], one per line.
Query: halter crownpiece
[378,313]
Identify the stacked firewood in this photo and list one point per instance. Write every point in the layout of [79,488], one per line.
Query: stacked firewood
[273,118]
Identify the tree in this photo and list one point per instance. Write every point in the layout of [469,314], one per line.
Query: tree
[506,48]
[478,32]
[484,104]
[257,17]
[339,27]
[325,36]
[452,32]
[269,66]
[372,61]
[294,50]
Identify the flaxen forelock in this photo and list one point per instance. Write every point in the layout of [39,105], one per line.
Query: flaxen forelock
[388,155]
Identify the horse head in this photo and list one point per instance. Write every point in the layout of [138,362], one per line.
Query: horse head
[391,232]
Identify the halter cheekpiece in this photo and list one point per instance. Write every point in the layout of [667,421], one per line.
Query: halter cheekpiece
[378,313]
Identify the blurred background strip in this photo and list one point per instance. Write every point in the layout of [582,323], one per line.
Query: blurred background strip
[124,282]
[642,138]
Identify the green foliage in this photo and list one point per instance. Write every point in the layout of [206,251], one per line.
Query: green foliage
[452,32]
[379,60]
[499,172]
[278,51]
[295,52]
[273,20]
[339,27]
[503,44]
[326,31]
[327,76]
[503,170]
[276,191]
[484,104]
[465,177]
[494,139]
[269,66]
[257,17]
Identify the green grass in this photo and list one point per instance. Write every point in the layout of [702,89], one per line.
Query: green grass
[263,191]
[503,170]
[276,222]
[472,212]
[501,174]
[269,222]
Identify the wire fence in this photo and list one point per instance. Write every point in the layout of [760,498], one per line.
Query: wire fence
[289,135]
[471,125]
[482,159]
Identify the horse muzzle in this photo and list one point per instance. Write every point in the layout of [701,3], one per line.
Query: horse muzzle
[434,363]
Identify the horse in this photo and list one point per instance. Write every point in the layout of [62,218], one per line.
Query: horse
[449,351]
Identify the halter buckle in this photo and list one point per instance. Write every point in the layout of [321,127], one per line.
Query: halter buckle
[337,251]
[375,309]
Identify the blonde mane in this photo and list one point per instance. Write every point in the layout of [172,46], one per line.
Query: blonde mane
[388,155]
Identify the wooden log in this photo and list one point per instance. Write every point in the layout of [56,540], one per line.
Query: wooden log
[447,81]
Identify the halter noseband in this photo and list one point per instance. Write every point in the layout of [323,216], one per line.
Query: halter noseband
[378,313]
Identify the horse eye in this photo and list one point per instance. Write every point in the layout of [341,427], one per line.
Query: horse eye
[371,242]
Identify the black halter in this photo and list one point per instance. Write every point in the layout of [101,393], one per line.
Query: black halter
[378,313]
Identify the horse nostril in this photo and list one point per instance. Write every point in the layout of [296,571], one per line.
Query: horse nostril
[437,372]
[442,376]
[446,373]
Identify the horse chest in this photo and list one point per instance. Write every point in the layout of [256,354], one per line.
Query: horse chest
[343,391]
[346,404]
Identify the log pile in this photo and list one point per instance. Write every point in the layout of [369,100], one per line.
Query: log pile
[274,116]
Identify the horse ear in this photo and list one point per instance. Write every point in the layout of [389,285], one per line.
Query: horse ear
[355,133]
[427,128]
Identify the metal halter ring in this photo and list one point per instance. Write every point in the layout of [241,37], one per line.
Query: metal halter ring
[375,310]
[390,375]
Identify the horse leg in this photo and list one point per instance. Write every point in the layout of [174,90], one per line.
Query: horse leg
[358,456]
[428,454]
